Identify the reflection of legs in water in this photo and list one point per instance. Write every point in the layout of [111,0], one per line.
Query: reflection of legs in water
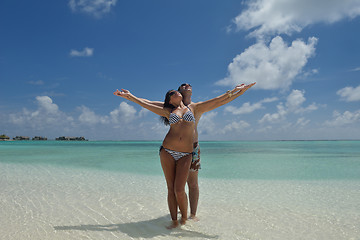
[176,173]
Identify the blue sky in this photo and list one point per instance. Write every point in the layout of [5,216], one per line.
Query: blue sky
[60,62]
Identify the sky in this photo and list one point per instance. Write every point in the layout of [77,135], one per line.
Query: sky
[61,61]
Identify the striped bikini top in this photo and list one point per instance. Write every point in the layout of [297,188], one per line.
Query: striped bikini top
[188,117]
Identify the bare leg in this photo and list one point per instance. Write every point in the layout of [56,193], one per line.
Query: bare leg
[193,193]
[182,172]
[168,166]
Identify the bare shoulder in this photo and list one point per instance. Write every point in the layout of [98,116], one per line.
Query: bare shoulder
[197,107]
[194,107]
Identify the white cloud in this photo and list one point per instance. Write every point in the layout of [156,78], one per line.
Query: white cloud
[86,52]
[89,117]
[272,17]
[349,94]
[46,115]
[271,67]
[295,100]
[244,109]
[48,119]
[143,112]
[310,108]
[159,127]
[207,124]
[47,104]
[293,104]
[238,127]
[310,73]
[275,117]
[269,100]
[346,118]
[248,107]
[302,122]
[18,118]
[96,8]
[124,113]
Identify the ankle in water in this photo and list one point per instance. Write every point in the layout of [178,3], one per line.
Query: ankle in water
[173,224]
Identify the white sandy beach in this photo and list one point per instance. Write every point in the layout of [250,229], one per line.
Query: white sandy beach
[41,202]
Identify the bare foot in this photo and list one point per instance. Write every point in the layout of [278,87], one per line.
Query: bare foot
[194,218]
[174,224]
[183,221]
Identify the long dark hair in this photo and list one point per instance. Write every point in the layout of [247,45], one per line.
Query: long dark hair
[167,105]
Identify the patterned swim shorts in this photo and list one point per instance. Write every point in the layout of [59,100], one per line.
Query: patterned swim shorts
[195,163]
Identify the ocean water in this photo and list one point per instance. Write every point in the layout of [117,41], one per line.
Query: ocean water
[270,160]
[116,190]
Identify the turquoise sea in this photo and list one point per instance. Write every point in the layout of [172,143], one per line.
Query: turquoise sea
[116,190]
[272,160]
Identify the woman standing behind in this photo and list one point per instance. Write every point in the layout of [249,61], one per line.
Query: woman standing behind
[177,147]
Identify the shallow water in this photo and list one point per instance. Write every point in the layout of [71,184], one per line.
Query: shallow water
[116,190]
[275,160]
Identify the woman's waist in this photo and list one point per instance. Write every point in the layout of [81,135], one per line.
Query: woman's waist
[180,144]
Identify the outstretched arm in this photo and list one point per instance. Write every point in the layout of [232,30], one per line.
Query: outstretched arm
[156,103]
[159,110]
[239,90]
[202,107]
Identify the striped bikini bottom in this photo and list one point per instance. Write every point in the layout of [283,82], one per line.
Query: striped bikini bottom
[176,155]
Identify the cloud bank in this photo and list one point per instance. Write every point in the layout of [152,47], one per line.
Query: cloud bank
[346,118]
[294,104]
[273,17]
[48,118]
[271,67]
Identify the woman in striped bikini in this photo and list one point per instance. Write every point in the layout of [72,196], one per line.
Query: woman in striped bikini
[177,147]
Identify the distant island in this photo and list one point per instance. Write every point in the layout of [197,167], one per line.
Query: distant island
[38,138]
[21,138]
[63,138]
[4,137]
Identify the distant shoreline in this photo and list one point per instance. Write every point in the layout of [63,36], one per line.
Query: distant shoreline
[55,140]
[40,138]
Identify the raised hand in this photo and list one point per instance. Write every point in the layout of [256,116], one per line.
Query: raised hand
[123,93]
[240,89]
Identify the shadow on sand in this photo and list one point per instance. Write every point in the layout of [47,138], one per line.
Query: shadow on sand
[142,229]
